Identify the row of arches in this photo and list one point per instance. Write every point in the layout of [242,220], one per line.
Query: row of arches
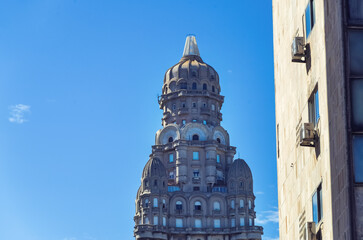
[183,85]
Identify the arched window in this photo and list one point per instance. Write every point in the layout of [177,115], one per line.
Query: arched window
[241,184]
[204,86]
[183,85]
[195,137]
[194,85]
[216,205]
[218,140]
[179,205]
[198,205]
[155,202]
[146,183]
[155,182]
[170,139]
[241,203]
[213,89]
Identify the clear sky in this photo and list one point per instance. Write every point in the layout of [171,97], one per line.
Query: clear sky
[78,106]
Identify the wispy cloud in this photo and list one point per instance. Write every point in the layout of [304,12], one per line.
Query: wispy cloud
[259,193]
[229,71]
[271,216]
[17,113]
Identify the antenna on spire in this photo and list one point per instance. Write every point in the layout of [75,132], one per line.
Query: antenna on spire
[191,47]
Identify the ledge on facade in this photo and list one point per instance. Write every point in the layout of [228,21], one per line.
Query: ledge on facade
[185,92]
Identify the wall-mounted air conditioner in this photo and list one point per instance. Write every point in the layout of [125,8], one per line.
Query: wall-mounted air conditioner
[310,231]
[298,49]
[307,135]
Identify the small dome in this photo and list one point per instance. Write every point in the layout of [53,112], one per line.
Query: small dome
[239,169]
[154,168]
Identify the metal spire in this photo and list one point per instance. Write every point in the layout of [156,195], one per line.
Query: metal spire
[191,47]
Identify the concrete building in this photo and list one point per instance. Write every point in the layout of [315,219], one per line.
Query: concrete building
[191,188]
[318,55]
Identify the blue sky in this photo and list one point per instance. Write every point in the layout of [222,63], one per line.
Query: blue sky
[78,106]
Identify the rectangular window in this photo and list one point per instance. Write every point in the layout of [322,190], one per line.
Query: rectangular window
[355,52]
[241,221]
[156,220]
[155,203]
[196,173]
[314,107]
[204,122]
[217,223]
[195,155]
[233,222]
[241,203]
[358,158]
[198,223]
[195,189]
[194,105]
[309,17]
[183,122]
[179,223]
[250,222]
[356,10]
[357,100]
[171,157]
[317,202]
[174,106]
[171,175]
[232,204]
[164,221]
[218,158]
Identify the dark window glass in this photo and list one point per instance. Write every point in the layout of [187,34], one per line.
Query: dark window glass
[314,107]
[358,157]
[356,52]
[194,105]
[309,17]
[170,139]
[195,137]
[183,85]
[213,89]
[317,202]
[204,86]
[357,104]
[179,205]
[218,140]
[194,86]
[356,9]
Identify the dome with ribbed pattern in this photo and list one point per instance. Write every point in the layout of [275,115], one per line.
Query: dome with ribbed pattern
[154,168]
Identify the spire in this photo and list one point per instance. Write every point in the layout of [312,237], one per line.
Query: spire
[191,47]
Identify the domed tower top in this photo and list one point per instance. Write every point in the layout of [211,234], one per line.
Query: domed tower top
[191,90]
[240,177]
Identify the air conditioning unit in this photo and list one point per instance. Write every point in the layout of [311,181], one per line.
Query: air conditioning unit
[310,231]
[307,135]
[298,49]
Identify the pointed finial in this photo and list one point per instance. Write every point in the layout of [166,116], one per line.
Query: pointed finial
[191,47]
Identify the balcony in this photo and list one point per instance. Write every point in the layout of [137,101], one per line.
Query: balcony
[219,189]
[155,209]
[205,110]
[196,179]
[241,210]
[183,111]
[197,212]
[216,211]
[178,211]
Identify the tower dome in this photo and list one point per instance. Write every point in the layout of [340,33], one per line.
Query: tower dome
[239,169]
[154,168]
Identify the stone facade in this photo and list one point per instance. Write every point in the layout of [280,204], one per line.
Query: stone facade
[303,171]
[191,188]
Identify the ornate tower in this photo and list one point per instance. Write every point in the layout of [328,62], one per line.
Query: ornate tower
[191,188]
